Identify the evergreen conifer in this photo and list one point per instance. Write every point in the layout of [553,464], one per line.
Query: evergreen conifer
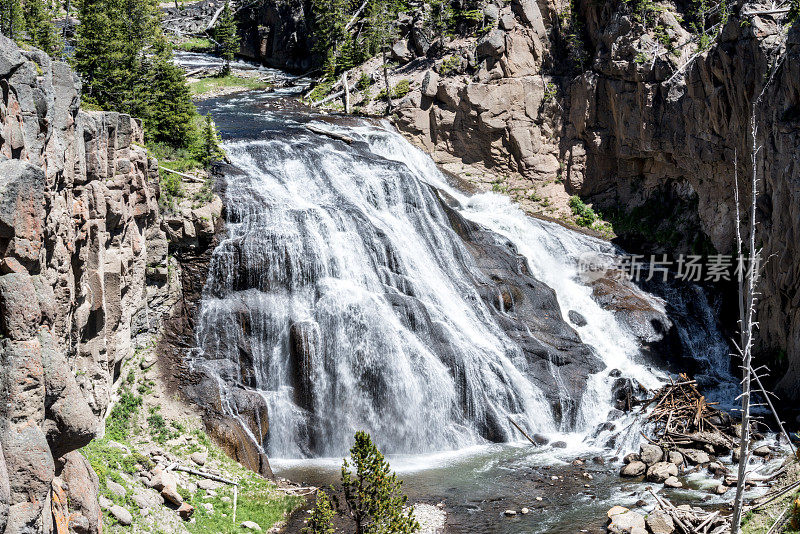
[374,494]
[227,37]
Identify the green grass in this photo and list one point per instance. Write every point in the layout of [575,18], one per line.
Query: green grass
[195,44]
[217,83]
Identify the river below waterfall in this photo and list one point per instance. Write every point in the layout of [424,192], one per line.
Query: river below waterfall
[343,295]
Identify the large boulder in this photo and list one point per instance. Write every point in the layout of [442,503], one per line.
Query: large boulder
[624,521]
[660,523]
[661,471]
[633,469]
[651,454]
[695,456]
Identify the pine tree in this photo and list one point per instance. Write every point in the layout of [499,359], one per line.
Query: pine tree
[211,150]
[168,109]
[41,32]
[330,18]
[321,520]
[374,494]
[125,63]
[227,37]
[11,20]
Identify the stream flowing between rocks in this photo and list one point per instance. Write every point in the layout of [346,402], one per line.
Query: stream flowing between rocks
[356,287]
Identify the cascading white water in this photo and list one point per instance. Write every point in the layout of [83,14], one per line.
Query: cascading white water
[342,293]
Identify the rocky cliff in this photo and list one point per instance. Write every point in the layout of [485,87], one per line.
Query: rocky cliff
[631,115]
[81,276]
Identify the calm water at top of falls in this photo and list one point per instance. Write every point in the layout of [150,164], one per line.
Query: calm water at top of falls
[305,213]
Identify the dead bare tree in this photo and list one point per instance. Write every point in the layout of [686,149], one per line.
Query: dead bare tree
[748,299]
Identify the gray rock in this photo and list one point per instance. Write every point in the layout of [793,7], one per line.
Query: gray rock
[104,502]
[633,469]
[675,457]
[492,45]
[694,456]
[20,315]
[115,488]
[400,51]
[576,318]
[146,498]
[122,515]
[624,521]
[673,482]
[660,523]
[200,457]
[661,471]
[651,454]
[507,22]
[430,84]
[632,457]
[491,12]
[250,525]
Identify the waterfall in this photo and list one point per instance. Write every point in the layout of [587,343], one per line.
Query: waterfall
[346,293]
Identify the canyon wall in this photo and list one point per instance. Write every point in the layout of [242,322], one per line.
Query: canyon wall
[82,274]
[620,130]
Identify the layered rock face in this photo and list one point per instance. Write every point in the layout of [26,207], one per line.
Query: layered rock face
[626,134]
[82,254]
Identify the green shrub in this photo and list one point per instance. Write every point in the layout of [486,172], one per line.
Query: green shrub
[401,89]
[321,520]
[364,81]
[585,216]
[123,416]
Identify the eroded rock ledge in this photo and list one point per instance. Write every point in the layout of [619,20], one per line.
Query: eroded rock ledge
[81,276]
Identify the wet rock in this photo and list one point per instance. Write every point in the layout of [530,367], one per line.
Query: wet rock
[673,482]
[721,489]
[661,471]
[559,444]
[540,439]
[651,454]
[122,515]
[694,456]
[675,457]
[576,318]
[660,523]
[762,451]
[633,469]
[631,457]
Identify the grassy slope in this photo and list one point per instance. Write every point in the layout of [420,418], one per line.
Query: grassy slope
[138,424]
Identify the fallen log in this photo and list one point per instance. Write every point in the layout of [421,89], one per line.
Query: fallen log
[205,474]
[520,429]
[189,177]
[334,135]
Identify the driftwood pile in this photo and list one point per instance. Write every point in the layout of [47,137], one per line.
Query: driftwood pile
[693,520]
[682,417]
